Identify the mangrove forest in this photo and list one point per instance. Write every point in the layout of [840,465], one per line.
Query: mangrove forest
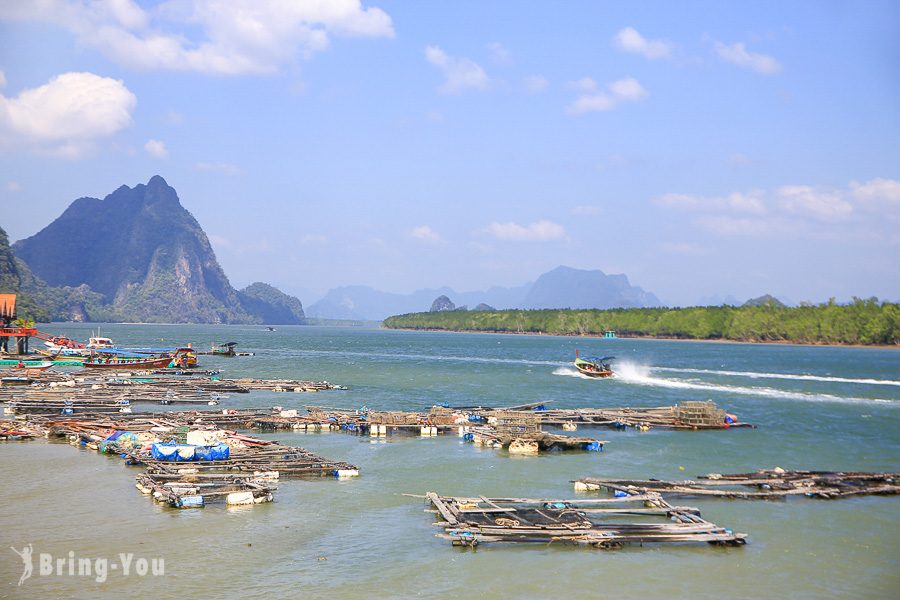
[862,321]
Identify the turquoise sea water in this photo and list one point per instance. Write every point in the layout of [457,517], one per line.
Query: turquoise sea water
[816,408]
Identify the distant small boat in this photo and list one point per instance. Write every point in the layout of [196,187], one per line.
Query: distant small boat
[270,329]
[124,363]
[99,343]
[226,349]
[594,367]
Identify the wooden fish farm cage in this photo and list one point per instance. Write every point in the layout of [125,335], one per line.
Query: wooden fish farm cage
[766,484]
[595,523]
[89,393]
[189,459]
[192,491]
[690,415]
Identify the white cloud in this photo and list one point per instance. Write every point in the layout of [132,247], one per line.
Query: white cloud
[235,37]
[585,85]
[629,40]
[13,186]
[540,231]
[156,149]
[859,210]
[628,89]
[747,203]
[219,241]
[591,100]
[739,160]
[218,167]
[726,225]
[827,205]
[738,54]
[682,201]
[68,114]
[425,233]
[751,202]
[500,55]
[684,248]
[587,210]
[535,84]
[885,190]
[460,74]
[312,239]
[173,117]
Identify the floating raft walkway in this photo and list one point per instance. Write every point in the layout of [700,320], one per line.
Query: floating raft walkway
[55,393]
[766,484]
[595,523]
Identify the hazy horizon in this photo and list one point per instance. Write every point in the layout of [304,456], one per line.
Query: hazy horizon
[702,149]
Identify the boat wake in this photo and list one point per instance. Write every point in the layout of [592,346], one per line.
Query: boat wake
[790,376]
[570,372]
[432,358]
[641,375]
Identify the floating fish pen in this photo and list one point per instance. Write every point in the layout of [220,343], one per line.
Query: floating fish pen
[470,522]
[766,484]
[189,461]
[529,443]
[286,385]
[288,461]
[193,491]
[99,398]
[690,415]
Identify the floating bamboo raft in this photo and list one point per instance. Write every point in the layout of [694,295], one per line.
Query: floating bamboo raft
[474,521]
[766,484]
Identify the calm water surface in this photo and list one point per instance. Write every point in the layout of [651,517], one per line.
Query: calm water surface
[817,408]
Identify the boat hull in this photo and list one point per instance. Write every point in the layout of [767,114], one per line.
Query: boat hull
[590,373]
[156,363]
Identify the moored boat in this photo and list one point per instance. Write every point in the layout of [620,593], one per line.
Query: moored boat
[594,367]
[128,363]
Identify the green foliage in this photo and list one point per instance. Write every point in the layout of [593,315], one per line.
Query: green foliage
[860,322]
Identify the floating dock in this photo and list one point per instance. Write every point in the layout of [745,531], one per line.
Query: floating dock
[470,522]
[765,484]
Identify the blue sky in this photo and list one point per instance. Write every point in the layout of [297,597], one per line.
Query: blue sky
[702,148]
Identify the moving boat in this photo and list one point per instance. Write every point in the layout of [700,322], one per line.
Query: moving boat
[594,367]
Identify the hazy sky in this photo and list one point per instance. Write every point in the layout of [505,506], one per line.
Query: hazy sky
[699,147]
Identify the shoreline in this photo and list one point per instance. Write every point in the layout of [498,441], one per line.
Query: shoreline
[648,337]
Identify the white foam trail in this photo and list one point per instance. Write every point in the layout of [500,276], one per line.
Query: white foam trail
[755,375]
[428,357]
[569,372]
[640,375]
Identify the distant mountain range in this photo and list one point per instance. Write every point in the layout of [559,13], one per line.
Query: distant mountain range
[138,255]
[563,287]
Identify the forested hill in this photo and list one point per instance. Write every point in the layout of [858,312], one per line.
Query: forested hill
[860,322]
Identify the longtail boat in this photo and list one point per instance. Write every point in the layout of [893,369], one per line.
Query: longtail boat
[124,363]
[594,367]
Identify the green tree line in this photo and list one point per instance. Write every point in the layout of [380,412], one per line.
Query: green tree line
[863,321]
